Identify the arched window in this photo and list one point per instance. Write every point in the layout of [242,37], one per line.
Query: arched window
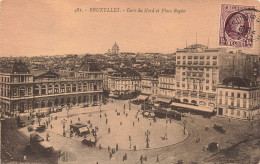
[74,100]
[62,88]
[74,88]
[68,101]
[79,87]
[185,100]
[43,104]
[84,86]
[43,90]
[68,88]
[193,101]
[36,91]
[56,102]
[62,101]
[56,88]
[79,100]
[22,92]
[50,89]
[50,103]
[14,92]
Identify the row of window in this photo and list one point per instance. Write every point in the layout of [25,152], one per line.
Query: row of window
[232,94]
[44,90]
[197,63]
[232,112]
[232,102]
[196,57]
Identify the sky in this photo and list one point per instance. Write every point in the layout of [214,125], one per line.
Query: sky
[52,27]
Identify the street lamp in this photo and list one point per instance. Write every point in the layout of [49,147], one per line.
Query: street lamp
[130,142]
[147,134]
[184,126]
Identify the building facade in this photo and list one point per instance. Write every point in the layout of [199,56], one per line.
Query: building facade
[238,98]
[149,86]
[124,81]
[21,90]
[199,69]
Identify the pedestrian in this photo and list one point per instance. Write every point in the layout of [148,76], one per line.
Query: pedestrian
[124,106]
[126,114]
[24,158]
[150,124]
[106,120]
[141,159]
[47,137]
[170,120]
[108,148]
[108,130]
[51,126]
[117,147]
[138,119]
[157,160]
[133,124]
[100,115]
[121,123]
[125,156]
[110,155]
[100,147]
[134,147]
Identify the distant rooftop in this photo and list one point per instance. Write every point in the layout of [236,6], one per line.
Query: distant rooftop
[89,67]
[238,82]
[17,67]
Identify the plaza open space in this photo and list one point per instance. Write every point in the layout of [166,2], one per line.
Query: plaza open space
[123,130]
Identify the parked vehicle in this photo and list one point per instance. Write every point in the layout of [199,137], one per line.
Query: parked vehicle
[213,146]
[40,128]
[219,128]
[90,141]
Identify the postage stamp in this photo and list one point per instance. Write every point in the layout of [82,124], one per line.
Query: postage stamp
[236,26]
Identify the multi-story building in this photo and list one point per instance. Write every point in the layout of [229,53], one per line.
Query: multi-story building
[124,81]
[238,98]
[199,69]
[150,86]
[167,84]
[22,90]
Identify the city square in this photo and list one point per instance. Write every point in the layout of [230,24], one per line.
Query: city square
[129,82]
[193,141]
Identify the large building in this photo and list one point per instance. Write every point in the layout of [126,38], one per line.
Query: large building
[199,69]
[149,86]
[23,90]
[124,81]
[238,98]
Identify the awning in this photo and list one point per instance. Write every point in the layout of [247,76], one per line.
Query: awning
[45,144]
[142,97]
[165,100]
[200,108]
[83,129]
[90,138]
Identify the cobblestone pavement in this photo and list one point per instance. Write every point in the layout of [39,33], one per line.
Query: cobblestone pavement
[188,151]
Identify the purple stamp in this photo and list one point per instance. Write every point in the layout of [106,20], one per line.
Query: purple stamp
[237,26]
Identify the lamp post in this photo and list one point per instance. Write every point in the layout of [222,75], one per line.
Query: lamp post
[184,126]
[63,123]
[130,142]
[147,134]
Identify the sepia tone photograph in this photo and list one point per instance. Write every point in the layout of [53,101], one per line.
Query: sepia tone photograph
[130,81]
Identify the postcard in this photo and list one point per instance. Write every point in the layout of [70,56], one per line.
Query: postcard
[117,81]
